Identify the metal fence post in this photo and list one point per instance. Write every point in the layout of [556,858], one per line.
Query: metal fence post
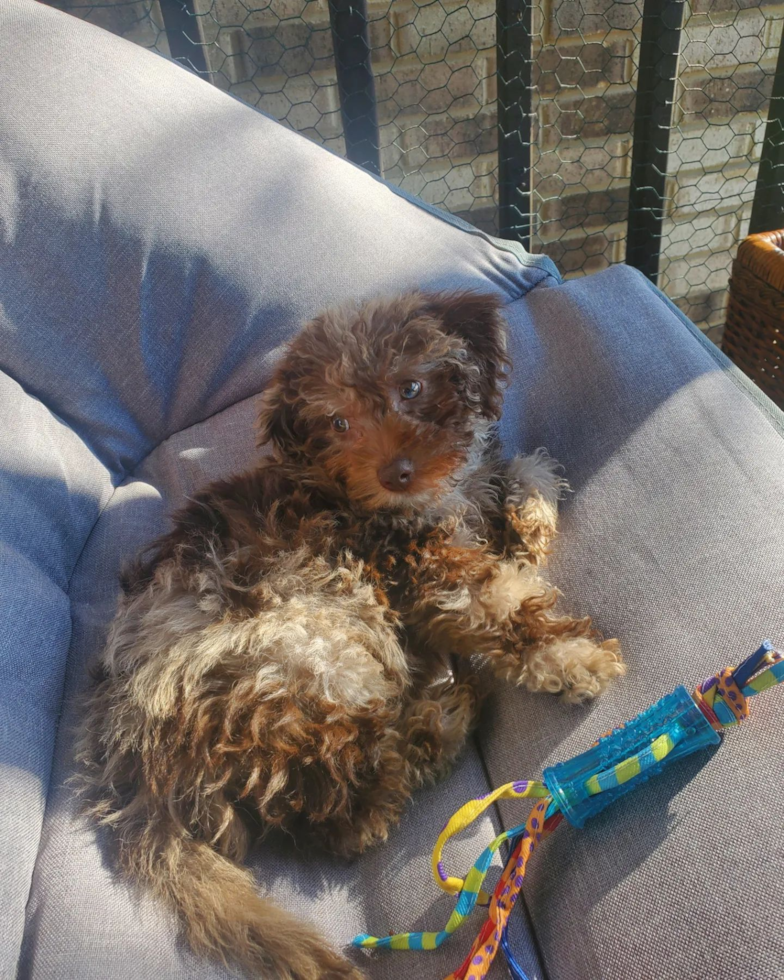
[662,21]
[514,56]
[767,211]
[356,85]
[182,32]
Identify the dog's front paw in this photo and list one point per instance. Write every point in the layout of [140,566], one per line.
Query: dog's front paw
[578,668]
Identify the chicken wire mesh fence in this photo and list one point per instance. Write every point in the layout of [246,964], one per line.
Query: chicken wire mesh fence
[596,132]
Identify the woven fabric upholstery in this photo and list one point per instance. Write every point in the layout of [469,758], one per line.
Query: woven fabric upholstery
[52,490]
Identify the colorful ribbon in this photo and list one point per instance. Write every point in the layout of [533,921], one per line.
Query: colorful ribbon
[469,889]
[723,700]
[485,947]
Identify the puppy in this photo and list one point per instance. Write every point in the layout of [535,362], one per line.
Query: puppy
[281,652]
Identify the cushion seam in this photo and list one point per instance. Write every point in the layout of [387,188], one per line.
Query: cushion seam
[527,260]
[65,590]
[521,898]
[137,466]
[64,421]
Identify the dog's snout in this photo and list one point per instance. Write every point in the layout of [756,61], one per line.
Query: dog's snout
[396,475]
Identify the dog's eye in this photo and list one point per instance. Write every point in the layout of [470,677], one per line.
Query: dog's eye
[340,425]
[410,389]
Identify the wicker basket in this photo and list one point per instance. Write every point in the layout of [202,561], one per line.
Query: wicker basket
[754,334]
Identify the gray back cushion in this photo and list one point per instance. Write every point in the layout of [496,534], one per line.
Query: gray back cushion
[162,238]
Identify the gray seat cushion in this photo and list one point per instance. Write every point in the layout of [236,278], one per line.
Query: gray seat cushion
[160,241]
[673,541]
[82,922]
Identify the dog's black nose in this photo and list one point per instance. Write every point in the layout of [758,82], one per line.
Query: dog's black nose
[396,475]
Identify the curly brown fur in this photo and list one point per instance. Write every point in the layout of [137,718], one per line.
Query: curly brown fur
[283,651]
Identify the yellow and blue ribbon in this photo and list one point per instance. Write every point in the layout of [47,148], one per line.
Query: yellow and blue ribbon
[468,889]
[723,701]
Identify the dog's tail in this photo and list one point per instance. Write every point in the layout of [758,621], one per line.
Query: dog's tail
[223,916]
[213,895]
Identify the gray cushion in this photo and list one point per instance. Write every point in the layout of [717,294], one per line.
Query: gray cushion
[52,489]
[161,238]
[673,541]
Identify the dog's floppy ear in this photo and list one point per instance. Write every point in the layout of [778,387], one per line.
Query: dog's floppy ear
[277,420]
[476,318]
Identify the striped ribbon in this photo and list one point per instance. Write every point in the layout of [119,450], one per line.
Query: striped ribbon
[723,699]
[469,889]
[485,946]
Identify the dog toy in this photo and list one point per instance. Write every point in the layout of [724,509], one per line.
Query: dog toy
[676,726]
